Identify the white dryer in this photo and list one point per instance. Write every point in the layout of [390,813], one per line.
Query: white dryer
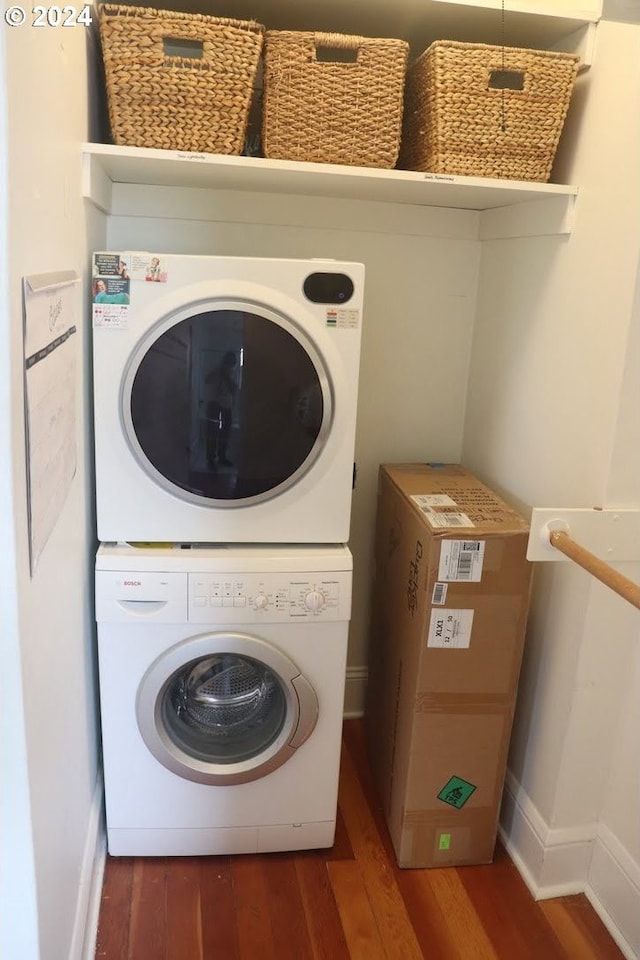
[221,684]
[225,393]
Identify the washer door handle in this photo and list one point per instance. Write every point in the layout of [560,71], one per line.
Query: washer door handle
[144,607]
[308,711]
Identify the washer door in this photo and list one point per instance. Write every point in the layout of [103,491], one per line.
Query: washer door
[226,403]
[224,708]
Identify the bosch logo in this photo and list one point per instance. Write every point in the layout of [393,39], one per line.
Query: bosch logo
[132,583]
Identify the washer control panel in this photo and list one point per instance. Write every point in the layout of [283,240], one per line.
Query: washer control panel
[273,598]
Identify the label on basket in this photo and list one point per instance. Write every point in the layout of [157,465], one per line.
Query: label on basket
[343,318]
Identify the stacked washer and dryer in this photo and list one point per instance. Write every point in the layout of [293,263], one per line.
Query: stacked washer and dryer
[225,395]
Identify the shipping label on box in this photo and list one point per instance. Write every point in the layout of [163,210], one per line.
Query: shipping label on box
[440,510]
[461,560]
[450,629]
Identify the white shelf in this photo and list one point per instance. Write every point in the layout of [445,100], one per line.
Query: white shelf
[106,165]
[507,208]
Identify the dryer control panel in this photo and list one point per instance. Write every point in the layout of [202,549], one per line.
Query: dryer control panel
[268,598]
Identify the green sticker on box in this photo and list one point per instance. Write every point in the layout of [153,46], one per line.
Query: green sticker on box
[456,792]
[444,841]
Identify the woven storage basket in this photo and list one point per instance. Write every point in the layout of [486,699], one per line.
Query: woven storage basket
[459,118]
[333,111]
[178,81]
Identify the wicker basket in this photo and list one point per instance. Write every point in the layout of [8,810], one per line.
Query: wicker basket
[486,111]
[333,111]
[178,81]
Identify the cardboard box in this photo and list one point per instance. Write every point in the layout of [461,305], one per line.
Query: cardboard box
[450,603]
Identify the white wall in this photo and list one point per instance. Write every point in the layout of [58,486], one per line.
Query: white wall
[421,275]
[18,918]
[549,422]
[47,659]
[618,834]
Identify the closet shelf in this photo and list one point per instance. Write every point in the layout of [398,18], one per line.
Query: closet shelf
[106,165]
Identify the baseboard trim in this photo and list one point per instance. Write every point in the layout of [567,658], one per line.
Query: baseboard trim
[553,862]
[83,943]
[354,692]
[93,912]
[614,891]
[559,862]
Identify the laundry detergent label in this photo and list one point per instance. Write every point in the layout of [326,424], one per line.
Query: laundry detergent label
[343,318]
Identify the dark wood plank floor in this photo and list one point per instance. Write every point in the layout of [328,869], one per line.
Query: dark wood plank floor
[348,903]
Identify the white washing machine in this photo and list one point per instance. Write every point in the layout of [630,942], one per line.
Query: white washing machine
[225,394]
[222,675]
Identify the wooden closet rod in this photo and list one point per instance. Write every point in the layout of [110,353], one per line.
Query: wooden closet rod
[598,568]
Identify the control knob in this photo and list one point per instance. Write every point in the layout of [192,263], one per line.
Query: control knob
[314,601]
[261,602]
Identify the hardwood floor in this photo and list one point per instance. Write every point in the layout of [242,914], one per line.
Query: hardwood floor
[348,903]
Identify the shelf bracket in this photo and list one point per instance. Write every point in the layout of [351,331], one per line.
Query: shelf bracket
[96,185]
[582,41]
[546,217]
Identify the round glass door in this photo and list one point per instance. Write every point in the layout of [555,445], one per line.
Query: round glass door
[224,708]
[225,403]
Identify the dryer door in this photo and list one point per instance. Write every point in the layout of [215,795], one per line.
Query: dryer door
[224,708]
[226,403]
